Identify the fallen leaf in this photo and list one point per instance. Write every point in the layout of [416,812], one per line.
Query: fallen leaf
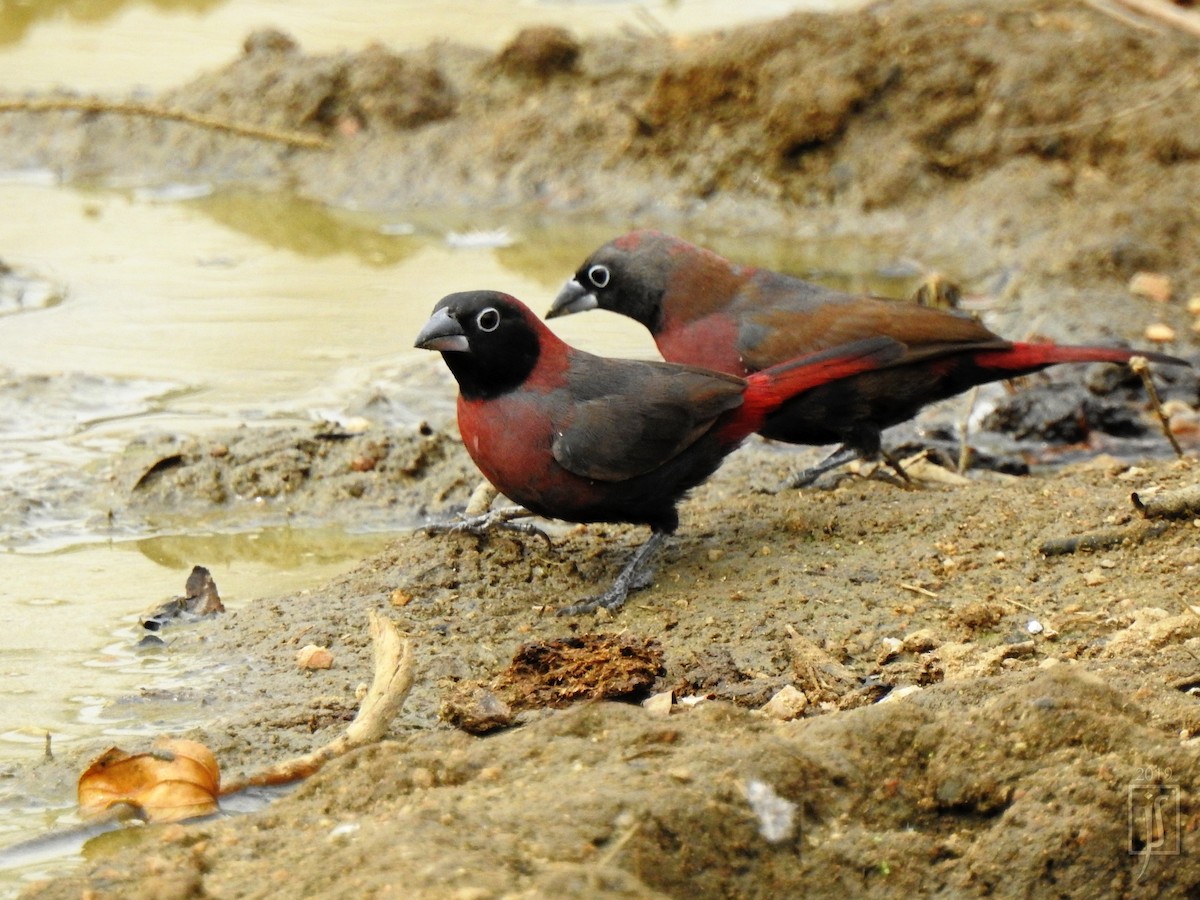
[178,779]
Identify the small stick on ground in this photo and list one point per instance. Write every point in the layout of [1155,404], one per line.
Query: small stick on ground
[1141,368]
[389,689]
[1166,12]
[965,450]
[1102,539]
[481,500]
[1022,605]
[1180,504]
[154,111]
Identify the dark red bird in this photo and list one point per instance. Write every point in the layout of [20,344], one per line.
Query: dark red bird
[703,309]
[579,437]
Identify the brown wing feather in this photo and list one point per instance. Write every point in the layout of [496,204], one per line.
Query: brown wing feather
[781,331]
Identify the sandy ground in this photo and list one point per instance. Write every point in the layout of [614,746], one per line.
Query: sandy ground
[973,711]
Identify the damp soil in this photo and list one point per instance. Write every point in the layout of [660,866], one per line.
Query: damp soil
[982,685]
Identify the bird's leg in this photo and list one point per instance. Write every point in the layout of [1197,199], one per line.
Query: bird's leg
[965,450]
[632,578]
[495,520]
[894,464]
[839,457]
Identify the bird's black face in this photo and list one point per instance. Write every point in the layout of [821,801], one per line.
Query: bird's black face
[629,280]
[488,339]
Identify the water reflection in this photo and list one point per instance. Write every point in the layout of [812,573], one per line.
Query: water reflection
[284,221]
[285,549]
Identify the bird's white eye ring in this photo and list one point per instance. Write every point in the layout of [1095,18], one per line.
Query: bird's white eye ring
[599,276]
[489,319]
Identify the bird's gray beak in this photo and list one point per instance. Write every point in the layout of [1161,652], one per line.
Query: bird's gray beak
[573,298]
[443,333]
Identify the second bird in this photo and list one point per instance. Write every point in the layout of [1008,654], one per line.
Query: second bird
[704,310]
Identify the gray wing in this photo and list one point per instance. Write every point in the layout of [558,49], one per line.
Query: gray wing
[632,416]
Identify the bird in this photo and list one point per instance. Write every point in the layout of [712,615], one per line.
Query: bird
[703,309]
[584,438]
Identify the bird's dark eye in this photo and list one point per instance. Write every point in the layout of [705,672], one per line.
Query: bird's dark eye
[488,320]
[599,276]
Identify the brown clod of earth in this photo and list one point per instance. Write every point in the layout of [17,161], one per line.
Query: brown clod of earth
[556,673]
[539,52]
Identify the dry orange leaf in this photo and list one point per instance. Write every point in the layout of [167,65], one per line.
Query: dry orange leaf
[176,780]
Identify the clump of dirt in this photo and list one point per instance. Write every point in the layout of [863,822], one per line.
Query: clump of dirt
[556,674]
[395,477]
[539,53]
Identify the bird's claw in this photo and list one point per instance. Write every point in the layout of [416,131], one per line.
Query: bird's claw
[497,520]
[634,577]
[838,458]
[609,600]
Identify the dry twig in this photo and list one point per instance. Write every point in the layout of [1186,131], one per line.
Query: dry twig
[1102,539]
[1180,504]
[155,111]
[1141,368]
[1185,80]
[1166,12]
[389,689]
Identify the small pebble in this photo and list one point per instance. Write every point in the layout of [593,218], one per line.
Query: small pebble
[900,693]
[776,815]
[787,704]
[314,657]
[659,704]
[1160,333]
[1152,286]
[1034,627]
